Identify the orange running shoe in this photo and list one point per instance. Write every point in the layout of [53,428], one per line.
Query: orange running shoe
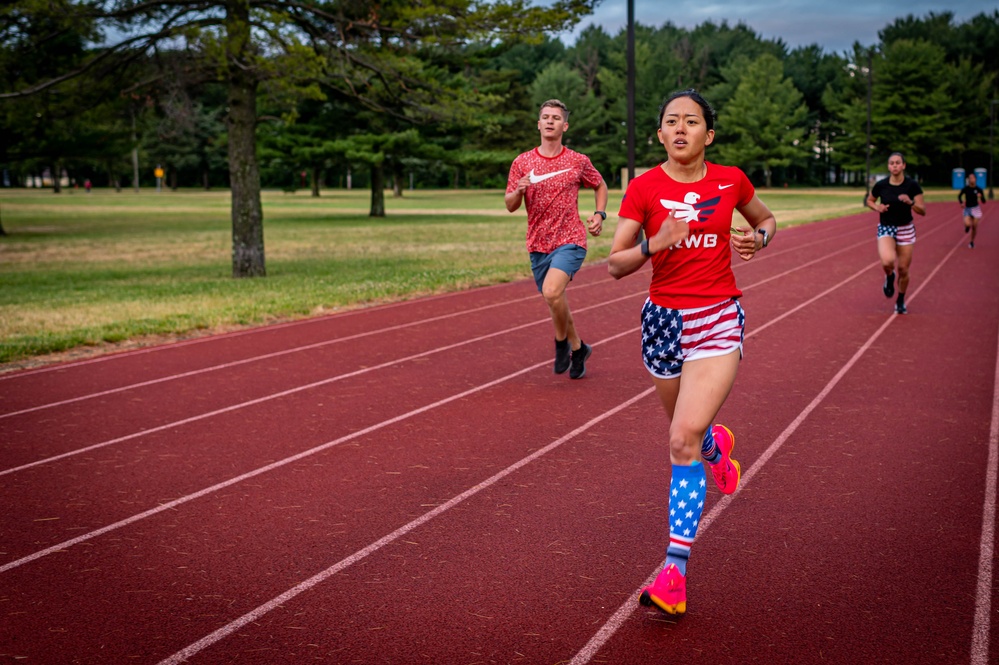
[668,592]
[727,471]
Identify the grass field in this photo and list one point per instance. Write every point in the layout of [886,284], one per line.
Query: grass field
[91,272]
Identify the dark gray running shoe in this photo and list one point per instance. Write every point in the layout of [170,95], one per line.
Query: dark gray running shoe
[579,357]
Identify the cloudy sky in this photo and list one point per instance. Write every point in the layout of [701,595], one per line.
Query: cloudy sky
[832,24]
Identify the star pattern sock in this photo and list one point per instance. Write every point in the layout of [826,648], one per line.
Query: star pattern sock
[687,487]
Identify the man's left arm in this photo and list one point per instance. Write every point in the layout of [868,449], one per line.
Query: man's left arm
[595,223]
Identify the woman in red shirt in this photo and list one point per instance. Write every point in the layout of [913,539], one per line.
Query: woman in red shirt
[692,323]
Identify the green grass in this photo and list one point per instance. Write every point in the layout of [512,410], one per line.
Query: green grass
[92,270]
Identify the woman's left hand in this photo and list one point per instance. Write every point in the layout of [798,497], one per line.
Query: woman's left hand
[744,241]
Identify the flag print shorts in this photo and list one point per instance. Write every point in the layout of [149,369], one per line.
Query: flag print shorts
[672,336]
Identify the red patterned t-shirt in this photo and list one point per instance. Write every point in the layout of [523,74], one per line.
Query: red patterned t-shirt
[552,197]
[697,271]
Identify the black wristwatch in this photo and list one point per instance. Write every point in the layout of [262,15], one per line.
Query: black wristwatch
[766,236]
[645,248]
[603,215]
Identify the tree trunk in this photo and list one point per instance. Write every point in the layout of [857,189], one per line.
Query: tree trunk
[56,185]
[377,191]
[397,176]
[244,173]
[135,156]
[315,180]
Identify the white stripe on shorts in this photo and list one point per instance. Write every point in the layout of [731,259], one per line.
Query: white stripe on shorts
[711,331]
[906,235]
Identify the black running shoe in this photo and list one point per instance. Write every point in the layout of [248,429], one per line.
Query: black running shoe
[900,308]
[971,245]
[889,287]
[579,357]
[562,353]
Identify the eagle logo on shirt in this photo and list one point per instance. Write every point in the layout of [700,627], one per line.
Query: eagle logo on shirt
[691,208]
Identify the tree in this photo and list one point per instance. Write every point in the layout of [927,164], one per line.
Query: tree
[257,44]
[812,71]
[767,116]
[913,106]
[388,148]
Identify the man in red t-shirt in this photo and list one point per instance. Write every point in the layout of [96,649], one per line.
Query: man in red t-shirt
[548,178]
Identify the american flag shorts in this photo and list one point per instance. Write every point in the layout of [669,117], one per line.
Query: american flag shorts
[973,211]
[672,336]
[903,235]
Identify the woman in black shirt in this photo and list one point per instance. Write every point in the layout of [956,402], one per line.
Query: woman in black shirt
[900,197]
[969,198]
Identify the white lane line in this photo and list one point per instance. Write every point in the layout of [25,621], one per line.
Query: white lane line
[280,463]
[983,598]
[236,333]
[591,648]
[285,597]
[266,356]
[253,615]
[153,511]
[291,391]
[269,328]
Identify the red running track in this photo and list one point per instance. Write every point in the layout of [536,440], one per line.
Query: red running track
[412,484]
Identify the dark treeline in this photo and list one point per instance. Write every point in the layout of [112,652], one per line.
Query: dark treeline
[391,96]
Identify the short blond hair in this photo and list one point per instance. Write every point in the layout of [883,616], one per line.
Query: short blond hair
[555,103]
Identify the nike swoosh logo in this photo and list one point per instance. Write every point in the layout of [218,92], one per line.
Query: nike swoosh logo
[535,179]
[725,186]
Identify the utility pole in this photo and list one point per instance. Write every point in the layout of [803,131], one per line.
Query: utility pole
[870,74]
[631,89]
[135,153]
[992,124]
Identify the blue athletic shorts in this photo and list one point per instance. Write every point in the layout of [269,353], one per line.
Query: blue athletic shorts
[567,258]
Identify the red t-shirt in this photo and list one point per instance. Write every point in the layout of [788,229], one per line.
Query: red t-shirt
[697,271]
[552,200]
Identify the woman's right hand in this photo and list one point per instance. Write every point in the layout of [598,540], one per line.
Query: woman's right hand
[671,232]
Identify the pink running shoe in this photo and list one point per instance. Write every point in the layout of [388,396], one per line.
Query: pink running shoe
[668,592]
[727,471]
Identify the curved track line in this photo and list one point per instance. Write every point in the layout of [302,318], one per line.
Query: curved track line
[622,614]
[250,331]
[294,349]
[983,597]
[153,511]
[266,356]
[253,615]
[316,384]
[208,490]
[280,463]
[291,391]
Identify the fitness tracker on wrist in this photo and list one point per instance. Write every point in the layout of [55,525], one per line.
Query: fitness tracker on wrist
[645,248]
[766,236]
[603,215]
